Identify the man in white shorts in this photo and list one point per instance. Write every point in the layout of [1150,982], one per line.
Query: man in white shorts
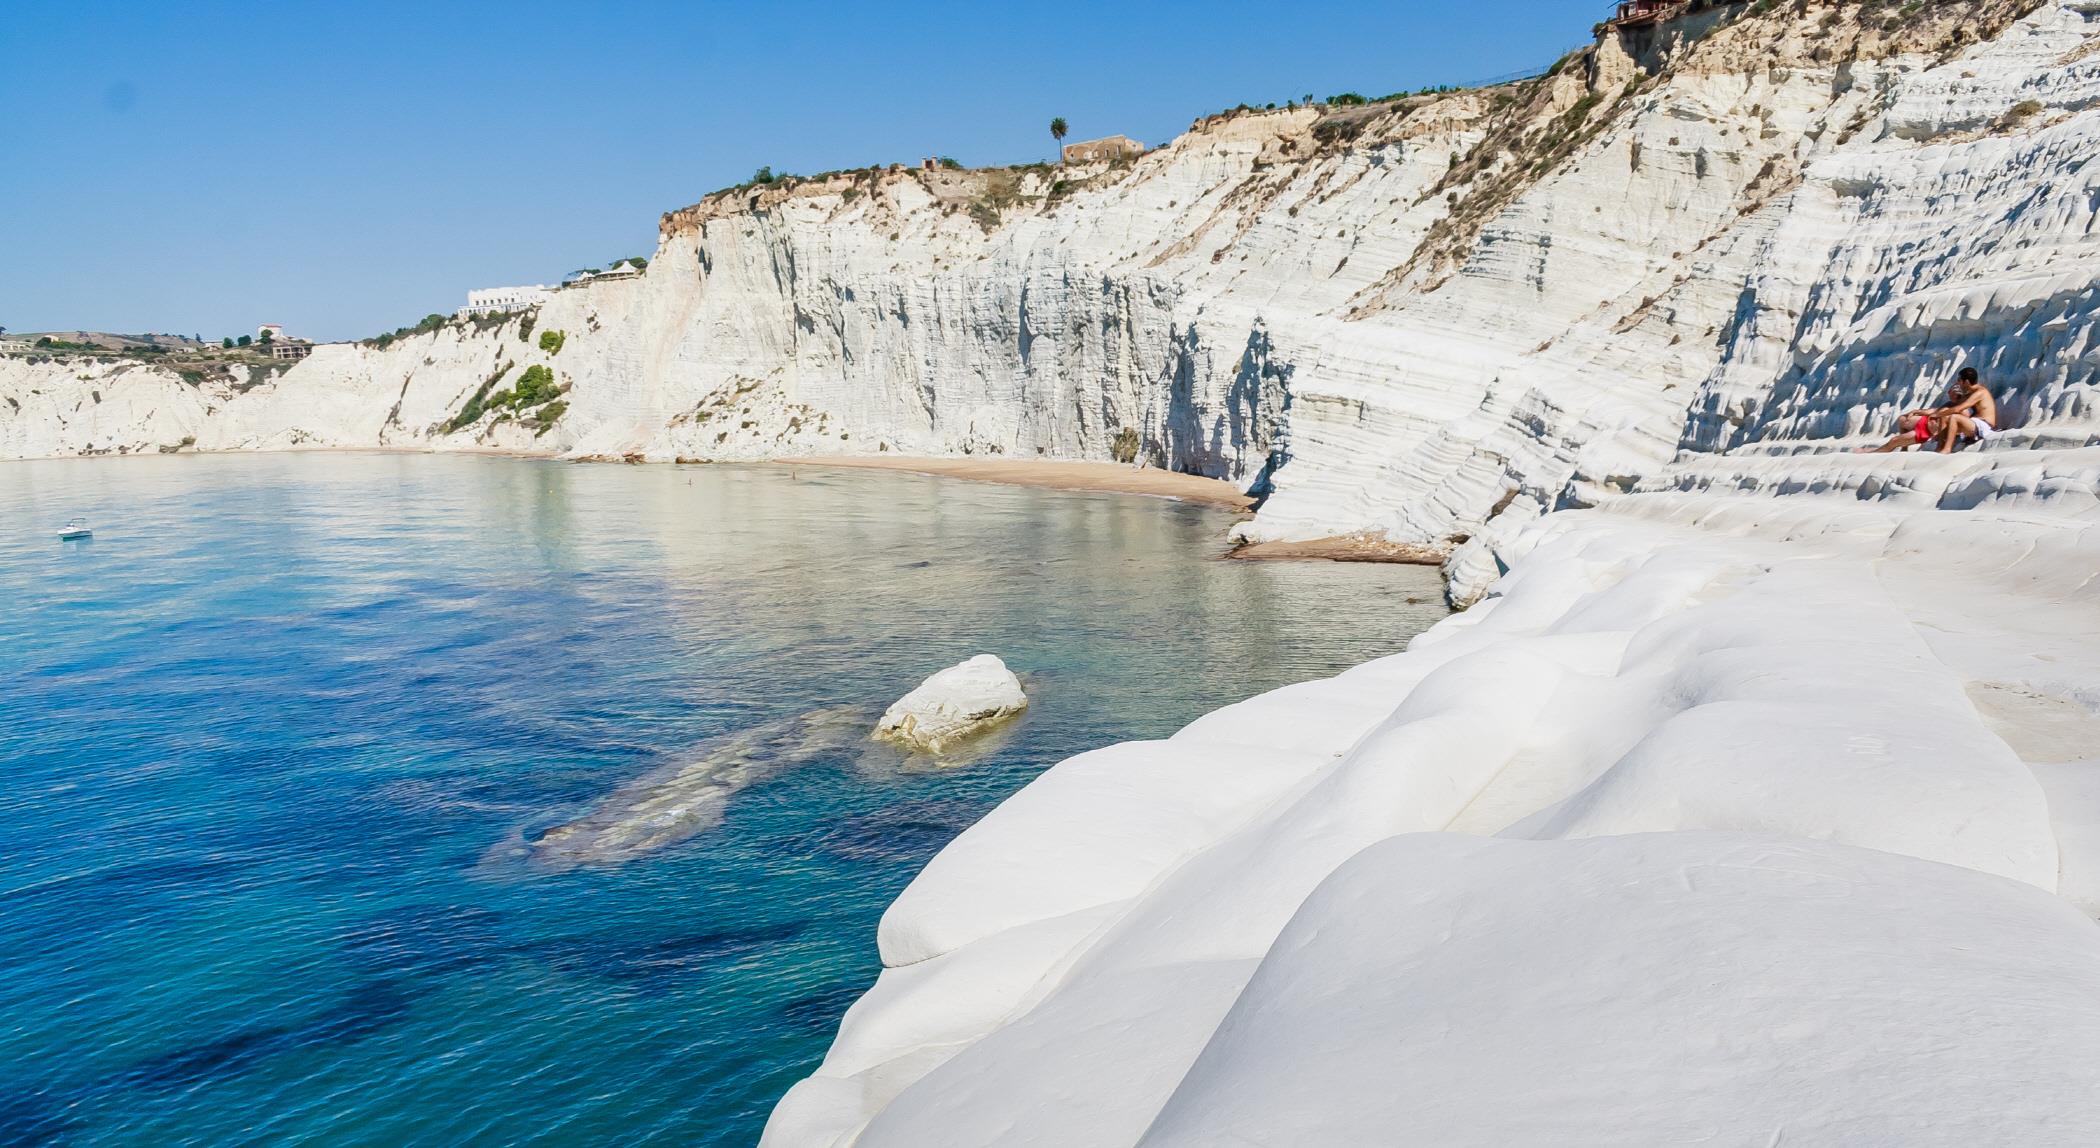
[1971,412]
[1972,415]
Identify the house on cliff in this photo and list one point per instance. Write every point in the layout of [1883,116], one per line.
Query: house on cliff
[1642,13]
[623,269]
[492,300]
[1106,148]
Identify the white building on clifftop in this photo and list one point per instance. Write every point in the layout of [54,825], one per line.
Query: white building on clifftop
[495,299]
[621,269]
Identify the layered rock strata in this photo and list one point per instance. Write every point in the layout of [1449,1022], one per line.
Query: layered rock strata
[1752,231]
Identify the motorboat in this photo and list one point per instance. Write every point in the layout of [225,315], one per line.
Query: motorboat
[75,529]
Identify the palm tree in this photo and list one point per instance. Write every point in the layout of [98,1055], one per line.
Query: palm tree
[1057,132]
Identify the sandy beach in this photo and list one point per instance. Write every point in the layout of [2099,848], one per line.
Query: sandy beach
[1106,476]
[1343,548]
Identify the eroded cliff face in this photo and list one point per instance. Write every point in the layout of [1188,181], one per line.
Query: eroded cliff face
[1433,319]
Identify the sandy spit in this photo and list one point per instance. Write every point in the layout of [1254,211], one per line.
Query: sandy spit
[1103,476]
[1344,548]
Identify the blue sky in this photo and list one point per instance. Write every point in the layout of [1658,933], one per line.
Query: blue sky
[346,168]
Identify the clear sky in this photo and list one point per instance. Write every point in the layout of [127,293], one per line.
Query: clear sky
[346,168]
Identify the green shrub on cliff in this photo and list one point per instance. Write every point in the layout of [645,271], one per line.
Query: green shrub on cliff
[535,386]
[551,341]
[546,416]
[477,402]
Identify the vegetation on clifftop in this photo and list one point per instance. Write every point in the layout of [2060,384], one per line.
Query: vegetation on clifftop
[429,323]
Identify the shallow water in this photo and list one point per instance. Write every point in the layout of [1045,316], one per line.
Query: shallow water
[274,741]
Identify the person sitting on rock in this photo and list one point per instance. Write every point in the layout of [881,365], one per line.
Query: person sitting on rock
[1929,423]
[1973,415]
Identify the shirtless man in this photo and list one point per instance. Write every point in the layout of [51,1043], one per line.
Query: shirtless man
[1969,412]
[1974,414]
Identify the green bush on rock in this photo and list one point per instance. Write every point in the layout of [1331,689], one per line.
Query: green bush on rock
[534,387]
[476,403]
[544,418]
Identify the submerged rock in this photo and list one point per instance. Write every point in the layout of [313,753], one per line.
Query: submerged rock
[669,805]
[953,705]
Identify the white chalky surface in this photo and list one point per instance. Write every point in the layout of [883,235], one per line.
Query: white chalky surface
[954,704]
[1729,816]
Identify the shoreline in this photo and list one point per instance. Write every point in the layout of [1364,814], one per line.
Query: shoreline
[1341,548]
[1045,474]
[1105,477]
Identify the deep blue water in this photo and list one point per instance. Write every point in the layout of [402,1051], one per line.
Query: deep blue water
[273,741]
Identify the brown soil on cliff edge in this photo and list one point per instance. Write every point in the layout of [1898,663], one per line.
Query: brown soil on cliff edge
[1531,126]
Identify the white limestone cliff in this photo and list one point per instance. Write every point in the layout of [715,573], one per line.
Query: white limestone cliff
[1754,802]
[1727,818]
[1430,319]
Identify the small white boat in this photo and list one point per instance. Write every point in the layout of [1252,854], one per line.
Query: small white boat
[75,529]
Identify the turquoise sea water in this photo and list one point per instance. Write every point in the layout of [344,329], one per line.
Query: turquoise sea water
[274,742]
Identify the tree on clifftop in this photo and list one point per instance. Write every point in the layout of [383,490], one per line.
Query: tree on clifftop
[1057,132]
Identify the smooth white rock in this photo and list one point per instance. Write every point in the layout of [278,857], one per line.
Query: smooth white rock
[1883,699]
[956,703]
[1673,988]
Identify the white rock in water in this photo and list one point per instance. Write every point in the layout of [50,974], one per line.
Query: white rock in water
[954,704]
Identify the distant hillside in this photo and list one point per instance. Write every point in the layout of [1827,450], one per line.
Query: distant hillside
[110,341]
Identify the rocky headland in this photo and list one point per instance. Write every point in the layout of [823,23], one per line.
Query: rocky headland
[1758,229]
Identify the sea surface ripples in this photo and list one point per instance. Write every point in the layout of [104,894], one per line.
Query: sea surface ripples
[275,744]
